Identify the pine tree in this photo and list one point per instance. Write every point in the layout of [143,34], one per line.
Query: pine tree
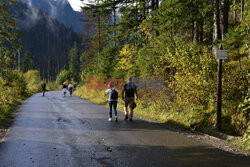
[27,62]
[9,37]
[74,66]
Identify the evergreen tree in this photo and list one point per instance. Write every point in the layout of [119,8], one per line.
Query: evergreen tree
[108,62]
[74,65]
[27,62]
[9,37]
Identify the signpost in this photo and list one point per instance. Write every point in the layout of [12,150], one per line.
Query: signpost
[220,55]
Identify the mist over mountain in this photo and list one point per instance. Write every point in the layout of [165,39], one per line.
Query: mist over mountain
[47,39]
[59,9]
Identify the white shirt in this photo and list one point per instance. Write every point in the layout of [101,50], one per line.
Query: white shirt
[109,91]
[70,86]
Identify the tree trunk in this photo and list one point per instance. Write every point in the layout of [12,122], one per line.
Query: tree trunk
[196,32]
[156,4]
[193,31]
[153,5]
[242,9]
[201,31]
[99,37]
[114,26]
[239,58]
[144,9]
[147,7]
[225,11]
[235,13]
[216,31]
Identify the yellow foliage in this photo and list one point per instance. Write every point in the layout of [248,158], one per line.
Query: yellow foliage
[32,77]
[125,57]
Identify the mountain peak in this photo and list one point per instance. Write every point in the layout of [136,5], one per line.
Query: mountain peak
[59,9]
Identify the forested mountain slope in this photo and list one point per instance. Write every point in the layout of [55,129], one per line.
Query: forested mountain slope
[61,10]
[48,40]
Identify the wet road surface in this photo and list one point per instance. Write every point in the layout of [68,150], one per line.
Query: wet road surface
[56,131]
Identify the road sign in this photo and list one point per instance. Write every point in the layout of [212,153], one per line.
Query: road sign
[221,54]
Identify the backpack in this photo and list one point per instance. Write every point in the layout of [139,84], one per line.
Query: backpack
[43,85]
[71,88]
[114,94]
[130,90]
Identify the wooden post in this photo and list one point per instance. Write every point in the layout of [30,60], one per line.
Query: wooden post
[219,93]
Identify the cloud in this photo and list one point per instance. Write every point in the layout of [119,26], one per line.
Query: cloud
[31,17]
[53,9]
[29,2]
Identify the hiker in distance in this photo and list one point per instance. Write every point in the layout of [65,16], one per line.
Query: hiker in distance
[70,88]
[113,97]
[43,85]
[64,89]
[129,90]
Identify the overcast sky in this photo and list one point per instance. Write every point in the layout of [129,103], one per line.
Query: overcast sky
[76,4]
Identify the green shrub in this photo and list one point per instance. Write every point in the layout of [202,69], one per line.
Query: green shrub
[33,79]
[64,76]
[12,90]
[53,86]
[194,74]
[241,117]
[16,81]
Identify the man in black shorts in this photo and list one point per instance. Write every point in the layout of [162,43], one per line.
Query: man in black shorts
[130,91]
[43,88]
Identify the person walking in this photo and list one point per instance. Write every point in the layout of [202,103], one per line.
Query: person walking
[129,90]
[64,89]
[43,85]
[70,88]
[113,97]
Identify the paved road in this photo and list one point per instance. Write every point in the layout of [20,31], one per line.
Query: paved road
[56,131]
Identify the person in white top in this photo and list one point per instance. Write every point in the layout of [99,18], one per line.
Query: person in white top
[113,97]
[70,88]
